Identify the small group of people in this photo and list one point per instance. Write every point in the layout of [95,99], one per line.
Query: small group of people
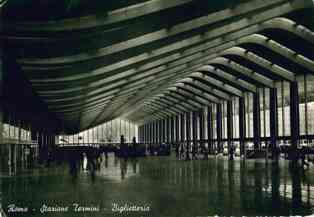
[126,150]
[183,151]
[86,161]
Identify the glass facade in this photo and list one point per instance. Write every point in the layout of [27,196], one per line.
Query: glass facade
[283,106]
[14,134]
[107,132]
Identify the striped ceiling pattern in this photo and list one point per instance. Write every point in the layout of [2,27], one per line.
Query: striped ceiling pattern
[146,60]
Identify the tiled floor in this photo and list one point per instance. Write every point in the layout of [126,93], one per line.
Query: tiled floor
[163,186]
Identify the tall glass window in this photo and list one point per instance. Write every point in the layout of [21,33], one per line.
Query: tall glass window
[310,103]
[235,108]
[214,108]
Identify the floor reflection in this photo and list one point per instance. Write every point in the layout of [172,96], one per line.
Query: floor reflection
[108,167]
[169,186]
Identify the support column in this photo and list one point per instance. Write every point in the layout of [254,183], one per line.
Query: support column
[150,133]
[194,130]
[172,130]
[144,133]
[153,133]
[182,126]
[256,121]
[294,117]
[273,113]
[210,128]
[188,135]
[41,146]
[163,130]
[157,132]
[2,159]
[177,129]
[1,123]
[160,131]
[230,129]
[201,122]
[168,130]
[219,129]
[1,97]
[202,142]
[242,126]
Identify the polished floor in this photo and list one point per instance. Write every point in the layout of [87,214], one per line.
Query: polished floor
[161,186]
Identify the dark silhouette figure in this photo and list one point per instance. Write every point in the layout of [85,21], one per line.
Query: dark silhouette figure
[231,152]
[181,151]
[124,168]
[304,163]
[134,142]
[73,163]
[134,164]
[134,147]
[177,150]
[106,162]
[123,147]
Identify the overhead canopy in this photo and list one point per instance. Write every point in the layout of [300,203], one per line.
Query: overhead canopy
[89,62]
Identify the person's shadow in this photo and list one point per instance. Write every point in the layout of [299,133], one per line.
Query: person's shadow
[123,168]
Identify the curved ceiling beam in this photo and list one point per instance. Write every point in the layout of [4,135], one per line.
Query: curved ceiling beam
[198,75]
[167,101]
[113,89]
[196,92]
[163,107]
[180,99]
[180,28]
[255,38]
[145,93]
[127,76]
[122,84]
[208,71]
[152,111]
[215,83]
[188,97]
[280,49]
[157,116]
[277,23]
[83,107]
[281,23]
[242,70]
[158,104]
[298,27]
[92,21]
[164,104]
[206,89]
[250,56]
[170,106]
[154,81]
[120,108]
[242,41]
[156,110]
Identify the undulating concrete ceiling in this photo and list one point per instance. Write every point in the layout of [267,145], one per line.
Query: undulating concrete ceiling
[90,62]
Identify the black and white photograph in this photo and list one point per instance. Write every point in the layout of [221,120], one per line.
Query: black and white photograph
[156,108]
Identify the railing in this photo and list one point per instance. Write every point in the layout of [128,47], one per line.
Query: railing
[112,144]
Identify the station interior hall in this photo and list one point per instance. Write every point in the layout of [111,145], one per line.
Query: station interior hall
[162,108]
